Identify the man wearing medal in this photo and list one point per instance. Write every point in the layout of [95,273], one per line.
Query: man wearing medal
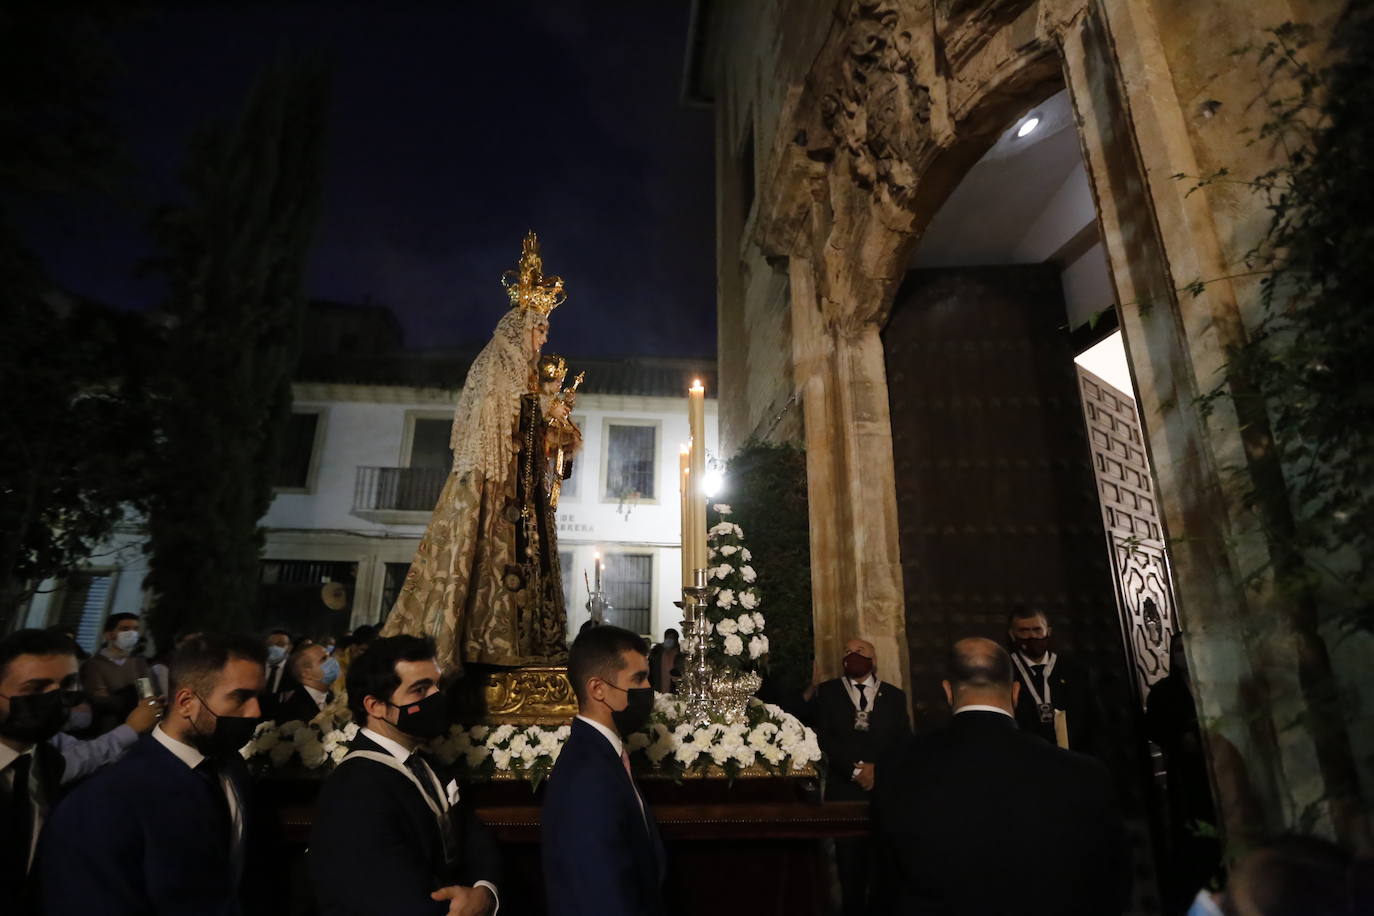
[857,719]
[1056,701]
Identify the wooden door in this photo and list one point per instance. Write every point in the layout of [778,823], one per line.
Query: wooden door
[996,497]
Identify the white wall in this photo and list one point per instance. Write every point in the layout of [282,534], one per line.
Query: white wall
[366,426]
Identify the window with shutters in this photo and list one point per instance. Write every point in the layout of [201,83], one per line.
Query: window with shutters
[83,603]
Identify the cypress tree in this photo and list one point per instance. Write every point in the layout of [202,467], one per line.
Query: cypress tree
[234,255]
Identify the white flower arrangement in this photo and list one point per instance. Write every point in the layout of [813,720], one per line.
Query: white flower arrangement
[769,738]
[735,626]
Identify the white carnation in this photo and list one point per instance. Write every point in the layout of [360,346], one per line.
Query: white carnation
[519,743]
[729,550]
[529,755]
[266,741]
[747,573]
[745,555]
[733,645]
[758,620]
[722,529]
[757,647]
[720,572]
[475,755]
[723,509]
[478,732]
[637,741]
[726,627]
[281,753]
[501,756]
[312,754]
[763,643]
[748,600]
[745,623]
[339,753]
[726,598]
[350,731]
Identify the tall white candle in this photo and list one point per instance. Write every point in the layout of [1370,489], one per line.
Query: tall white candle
[684,467]
[696,421]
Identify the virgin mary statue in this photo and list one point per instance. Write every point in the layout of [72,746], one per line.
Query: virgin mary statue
[485,582]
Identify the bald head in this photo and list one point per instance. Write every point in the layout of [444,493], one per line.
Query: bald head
[979,674]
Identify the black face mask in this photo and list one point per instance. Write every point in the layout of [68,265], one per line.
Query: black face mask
[636,712]
[229,736]
[36,717]
[1033,646]
[426,719]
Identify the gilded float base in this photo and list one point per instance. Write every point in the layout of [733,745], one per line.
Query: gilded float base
[537,695]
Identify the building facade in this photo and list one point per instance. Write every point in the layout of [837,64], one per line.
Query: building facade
[364,464]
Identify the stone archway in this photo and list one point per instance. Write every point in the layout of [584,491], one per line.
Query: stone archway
[893,101]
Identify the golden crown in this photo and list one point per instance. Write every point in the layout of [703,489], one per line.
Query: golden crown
[552,368]
[527,287]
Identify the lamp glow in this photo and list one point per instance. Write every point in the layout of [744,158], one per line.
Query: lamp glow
[712,483]
[1027,126]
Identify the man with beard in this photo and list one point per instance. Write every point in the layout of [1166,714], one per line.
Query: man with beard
[165,830]
[392,834]
[1053,685]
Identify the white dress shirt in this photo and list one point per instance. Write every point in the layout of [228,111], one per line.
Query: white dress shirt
[8,756]
[319,696]
[398,750]
[193,758]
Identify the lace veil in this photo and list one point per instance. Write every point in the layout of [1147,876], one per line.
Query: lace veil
[483,436]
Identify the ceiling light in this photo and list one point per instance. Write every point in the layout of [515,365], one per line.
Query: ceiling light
[1027,126]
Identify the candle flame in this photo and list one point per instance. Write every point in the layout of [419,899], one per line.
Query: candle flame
[696,385]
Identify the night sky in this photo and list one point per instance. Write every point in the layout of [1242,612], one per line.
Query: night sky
[454,127]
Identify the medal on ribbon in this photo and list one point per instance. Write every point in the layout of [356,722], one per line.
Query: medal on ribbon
[861,720]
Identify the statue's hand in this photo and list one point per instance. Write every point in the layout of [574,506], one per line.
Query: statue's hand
[558,410]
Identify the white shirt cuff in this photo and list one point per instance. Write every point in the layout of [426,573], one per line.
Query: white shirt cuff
[491,887]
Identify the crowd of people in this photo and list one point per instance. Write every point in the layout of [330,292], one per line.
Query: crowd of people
[158,814]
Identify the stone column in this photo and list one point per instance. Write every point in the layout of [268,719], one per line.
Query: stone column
[856,574]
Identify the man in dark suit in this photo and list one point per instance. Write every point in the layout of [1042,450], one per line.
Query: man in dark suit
[983,819]
[313,672]
[602,852]
[279,646]
[857,719]
[38,683]
[1053,684]
[392,834]
[166,829]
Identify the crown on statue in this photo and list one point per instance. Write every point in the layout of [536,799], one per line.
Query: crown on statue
[527,287]
[552,368]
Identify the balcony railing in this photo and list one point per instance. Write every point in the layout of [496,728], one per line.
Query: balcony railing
[382,491]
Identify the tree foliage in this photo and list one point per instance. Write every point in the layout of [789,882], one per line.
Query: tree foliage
[233,254]
[768,497]
[71,415]
[1307,360]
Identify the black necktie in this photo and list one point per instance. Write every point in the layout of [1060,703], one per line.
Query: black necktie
[863,697]
[422,772]
[20,820]
[1038,672]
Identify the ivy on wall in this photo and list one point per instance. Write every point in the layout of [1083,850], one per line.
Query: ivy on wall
[767,493]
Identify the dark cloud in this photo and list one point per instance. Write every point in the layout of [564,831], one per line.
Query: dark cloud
[453,129]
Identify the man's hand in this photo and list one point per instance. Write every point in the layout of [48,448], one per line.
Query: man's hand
[145,715]
[466,901]
[865,776]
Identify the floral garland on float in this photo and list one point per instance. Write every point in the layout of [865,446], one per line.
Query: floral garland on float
[768,741]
